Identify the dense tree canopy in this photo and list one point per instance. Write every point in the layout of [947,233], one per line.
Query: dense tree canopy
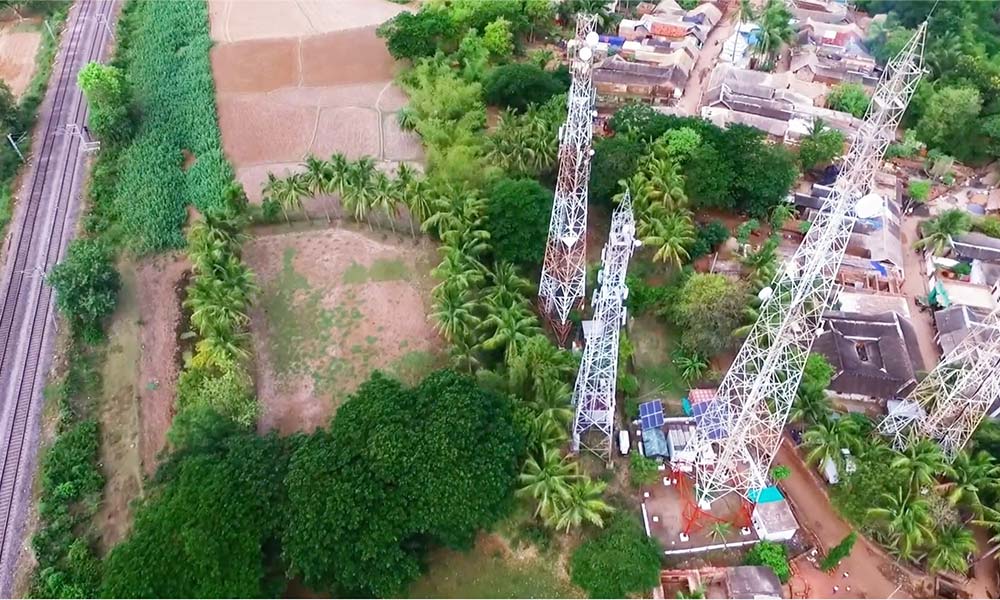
[820,147]
[617,562]
[109,100]
[949,121]
[517,217]
[400,469]
[205,527]
[415,35]
[770,554]
[615,158]
[517,85]
[706,310]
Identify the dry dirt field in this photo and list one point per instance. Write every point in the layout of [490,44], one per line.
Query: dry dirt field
[296,77]
[336,304]
[18,47]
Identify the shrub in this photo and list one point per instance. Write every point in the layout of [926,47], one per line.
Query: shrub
[517,85]
[989,225]
[708,238]
[849,98]
[918,190]
[770,554]
[908,147]
[229,393]
[780,473]
[838,552]
[619,561]
[86,286]
[641,470]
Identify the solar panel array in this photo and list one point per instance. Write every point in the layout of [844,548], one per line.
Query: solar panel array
[651,414]
[708,422]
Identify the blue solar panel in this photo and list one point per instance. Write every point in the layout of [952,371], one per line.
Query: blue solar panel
[710,423]
[651,414]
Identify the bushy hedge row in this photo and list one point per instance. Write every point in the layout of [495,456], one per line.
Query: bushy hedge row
[164,54]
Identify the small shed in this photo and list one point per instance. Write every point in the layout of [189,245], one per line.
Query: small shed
[752,582]
[772,516]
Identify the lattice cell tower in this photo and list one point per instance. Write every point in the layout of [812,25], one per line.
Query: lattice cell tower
[742,427]
[564,271]
[594,393]
[948,404]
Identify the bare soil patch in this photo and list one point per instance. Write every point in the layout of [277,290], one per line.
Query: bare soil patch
[336,304]
[318,82]
[159,281]
[256,66]
[119,416]
[18,46]
[367,59]
[236,20]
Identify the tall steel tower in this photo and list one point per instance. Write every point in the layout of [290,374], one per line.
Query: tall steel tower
[948,404]
[564,271]
[594,393]
[743,426]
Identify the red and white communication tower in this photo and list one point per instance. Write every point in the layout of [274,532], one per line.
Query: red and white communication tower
[564,271]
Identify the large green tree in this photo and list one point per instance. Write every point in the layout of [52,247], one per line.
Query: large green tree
[109,99]
[950,121]
[617,562]
[401,469]
[517,85]
[707,308]
[517,217]
[850,98]
[820,147]
[86,285]
[415,35]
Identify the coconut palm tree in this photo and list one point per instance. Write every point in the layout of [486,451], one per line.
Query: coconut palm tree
[384,198]
[539,363]
[719,530]
[811,407]
[510,328]
[937,232]
[418,203]
[924,461]
[458,269]
[691,365]
[674,233]
[406,186]
[666,184]
[289,194]
[454,313]
[316,178]
[581,505]
[359,194]
[951,549]
[220,348]
[506,286]
[825,441]
[763,263]
[971,474]
[452,206]
[546,477]
[775,31]
[271,191]
[340,174]
[903,522]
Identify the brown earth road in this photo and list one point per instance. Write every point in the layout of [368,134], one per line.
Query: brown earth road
[697,81]
[866,565]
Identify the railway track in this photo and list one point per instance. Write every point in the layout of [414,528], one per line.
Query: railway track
[43,224]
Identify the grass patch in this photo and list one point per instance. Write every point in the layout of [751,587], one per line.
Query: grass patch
[415,365]
[164,53]
[389,270]
[489,571]
[302,330]
[355,274]
[653,366]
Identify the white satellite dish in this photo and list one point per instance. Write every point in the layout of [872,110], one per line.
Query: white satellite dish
[592,39]
[765,293]
[585,53]
[869,206]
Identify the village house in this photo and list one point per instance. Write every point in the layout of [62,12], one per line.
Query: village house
[833,54]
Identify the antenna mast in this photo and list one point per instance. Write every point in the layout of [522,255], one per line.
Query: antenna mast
[949,404]
[563,280]
[594,393]
[744,424]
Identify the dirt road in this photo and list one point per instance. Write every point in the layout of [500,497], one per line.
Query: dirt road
[697,81]
[914,286]
[866,566]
